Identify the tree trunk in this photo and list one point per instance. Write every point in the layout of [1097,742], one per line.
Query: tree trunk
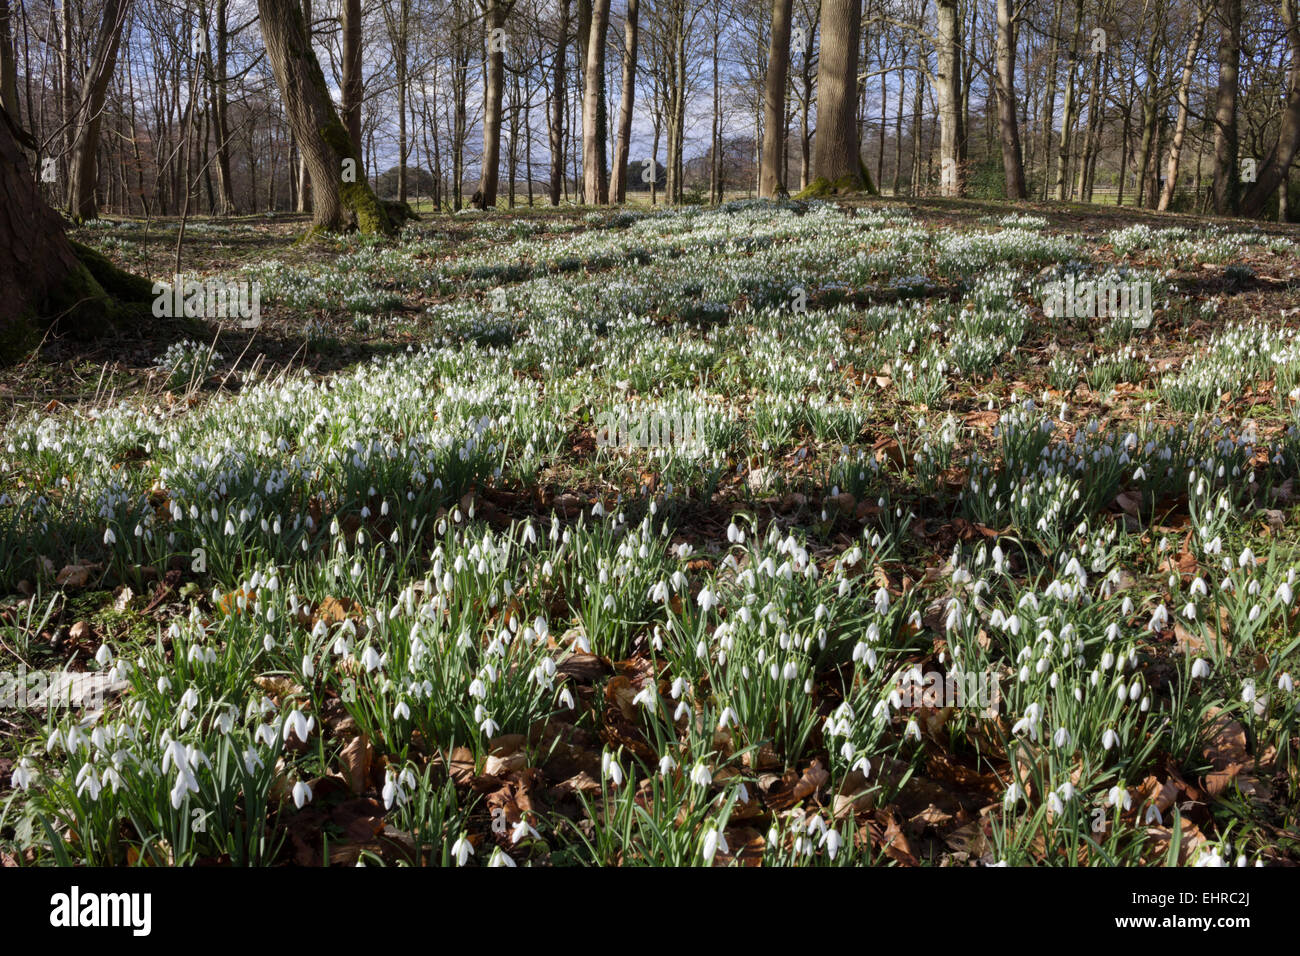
[778,67]
[1013,168]
[333,160]
[8,64]
[1227,179]
[1278,162]
[836,156]
[557,105]
[44,278]
[1049,98]
[948,95]
[618,186]
[350,17]
[1180,124]
[85,141]
[494,12]
[1069,107]
[595,182]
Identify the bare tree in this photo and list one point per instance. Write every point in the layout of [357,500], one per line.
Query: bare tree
[333,159]
[778,66]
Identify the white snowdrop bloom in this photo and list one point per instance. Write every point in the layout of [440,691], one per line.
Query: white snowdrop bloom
[1285,683]
[700,775]
[1061,738]
[1013,796]
[522,831]
[1109,739]
[301,794]
[371,659]
[667,765]
[566,698]
[1284,593]
[609,768]
[1119,796]
[707,600]
[1200,668]
[714,840]
[110,539]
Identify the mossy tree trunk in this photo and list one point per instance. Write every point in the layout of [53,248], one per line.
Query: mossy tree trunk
[338,182]
[45,278]
[835,144]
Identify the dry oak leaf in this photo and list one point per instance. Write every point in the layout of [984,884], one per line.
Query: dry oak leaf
[1226,751]
[336,610]
[76,575]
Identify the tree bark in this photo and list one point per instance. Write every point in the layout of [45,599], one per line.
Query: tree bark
[560,68]
[595,181]
[778,67]
[622,144]
[1278,162]
[1227,178]
[1180,124]
[90,110]
[8,63]
[493,90]
[948,95]
[836,156]
[350,19]
[44,278]
[1013,167]
[323,140]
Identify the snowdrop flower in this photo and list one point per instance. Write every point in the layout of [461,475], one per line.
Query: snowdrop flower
[707,600]
[1284,593]
[298,724]
[22,774]
[727,718]
[667,765]
[522,830]
[1013,796]
[700,775]
[566,698]
[714,841]
[1061,738]
[301,794]
[110,539]
[1285,683]
[610,768]
[1117,796]
[462,850]
[501,859]
[1109,739]
[1200,668]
